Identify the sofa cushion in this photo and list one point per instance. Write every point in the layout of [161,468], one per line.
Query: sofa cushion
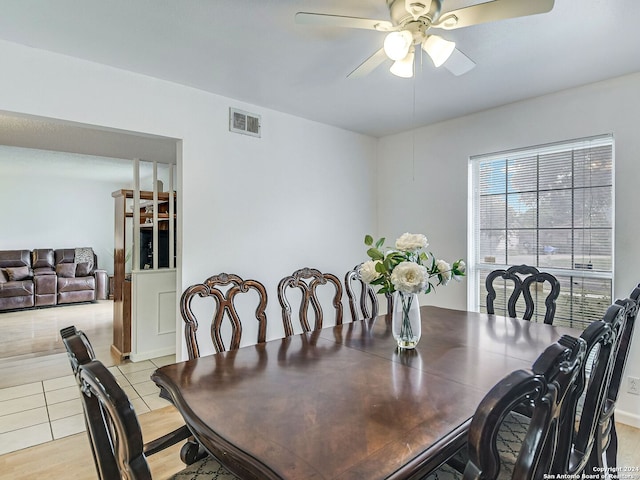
[65,255]
[83,269]
[15,258]
[84,254]
[42,258]
[76,284]
[15,274]
[17,289]
[66,270]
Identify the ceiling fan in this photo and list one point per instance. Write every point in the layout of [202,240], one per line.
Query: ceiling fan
[411,24]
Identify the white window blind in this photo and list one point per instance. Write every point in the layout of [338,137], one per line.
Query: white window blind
[550,207]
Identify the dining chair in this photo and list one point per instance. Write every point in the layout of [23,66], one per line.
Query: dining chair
[78,346]
[604,453]
[493,448]
[213,288]
[116,436]
[525,279]
[578,429]
[367,300]
[308,280]
[80,352]
[582,431]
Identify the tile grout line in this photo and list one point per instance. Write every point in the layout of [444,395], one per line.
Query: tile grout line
[47,404]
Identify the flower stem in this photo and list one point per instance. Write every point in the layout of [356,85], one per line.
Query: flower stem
[406,332]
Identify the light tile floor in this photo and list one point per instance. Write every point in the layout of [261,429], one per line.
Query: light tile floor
[39,412]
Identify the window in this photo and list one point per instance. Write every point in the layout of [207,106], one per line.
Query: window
[550,207]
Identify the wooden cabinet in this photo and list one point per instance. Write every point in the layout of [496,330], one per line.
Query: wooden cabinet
[123,249]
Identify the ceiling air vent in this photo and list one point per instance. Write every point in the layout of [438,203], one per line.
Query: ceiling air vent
[244,122]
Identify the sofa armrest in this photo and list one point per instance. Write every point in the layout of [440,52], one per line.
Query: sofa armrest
[102,284]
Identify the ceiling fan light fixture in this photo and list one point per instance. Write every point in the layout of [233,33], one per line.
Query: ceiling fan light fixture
[404,68]
[397,44]
[438,49]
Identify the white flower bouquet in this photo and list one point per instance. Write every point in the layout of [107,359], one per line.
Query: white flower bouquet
[408,268]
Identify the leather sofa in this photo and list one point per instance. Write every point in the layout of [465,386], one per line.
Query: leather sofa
[47,277]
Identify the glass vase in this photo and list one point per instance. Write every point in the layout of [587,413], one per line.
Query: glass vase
[405,321]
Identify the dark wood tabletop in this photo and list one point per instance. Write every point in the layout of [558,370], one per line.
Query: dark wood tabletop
[343,403]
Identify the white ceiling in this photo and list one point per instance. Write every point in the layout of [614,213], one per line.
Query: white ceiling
[252,50]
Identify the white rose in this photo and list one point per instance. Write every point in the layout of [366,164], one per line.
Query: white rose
[368,271]
[410,242]
[462,267]
[409,277]
[444,269]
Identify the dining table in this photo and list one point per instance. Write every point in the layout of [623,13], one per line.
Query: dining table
[343,402]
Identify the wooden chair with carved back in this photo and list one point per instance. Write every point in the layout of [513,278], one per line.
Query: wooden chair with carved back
[224,306]
[545,392]
[581,432]
[308,280]
[604,453]
[78,346]
[224,300]
[525,279]
[578,435]
[80,353]
[115,433]
[367,306]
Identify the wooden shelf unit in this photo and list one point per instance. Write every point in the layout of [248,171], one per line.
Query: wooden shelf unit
[121,279]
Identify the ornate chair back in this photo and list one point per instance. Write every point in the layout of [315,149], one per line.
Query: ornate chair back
[604,454]
[523,278]
[113,428]
[578,430]
[308,280]
[224,304]
[80,352]
[544,391]
[367,306]
[78,347]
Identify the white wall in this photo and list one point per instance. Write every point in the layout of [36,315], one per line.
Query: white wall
[305,194]
[58,200]
[302,195]
[435,201]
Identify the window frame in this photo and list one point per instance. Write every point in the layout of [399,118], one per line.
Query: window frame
[475,265]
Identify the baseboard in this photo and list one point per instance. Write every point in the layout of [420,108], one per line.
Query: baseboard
[161,352]
[627,418]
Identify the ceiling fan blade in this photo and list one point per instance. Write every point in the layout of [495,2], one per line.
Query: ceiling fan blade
[458,63]
[369,65]
[306,18]
[491,11]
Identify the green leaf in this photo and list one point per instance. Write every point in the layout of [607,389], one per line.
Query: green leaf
[375,254]
[389,263]
[368,240]
[380,242]
[397,257]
